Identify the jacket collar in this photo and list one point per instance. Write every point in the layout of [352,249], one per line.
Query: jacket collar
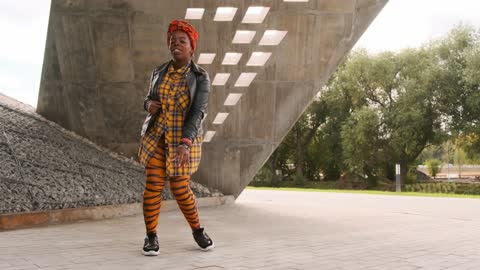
[164,67]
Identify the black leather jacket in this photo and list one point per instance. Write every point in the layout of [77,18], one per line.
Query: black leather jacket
[198,83]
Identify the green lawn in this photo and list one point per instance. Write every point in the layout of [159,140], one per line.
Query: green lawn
[416,194]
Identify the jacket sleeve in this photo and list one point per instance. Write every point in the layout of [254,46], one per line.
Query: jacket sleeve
[149,93]
[198,108]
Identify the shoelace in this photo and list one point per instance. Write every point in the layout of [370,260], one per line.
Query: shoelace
[152,240]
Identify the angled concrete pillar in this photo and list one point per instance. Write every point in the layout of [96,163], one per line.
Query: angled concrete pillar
[99,55]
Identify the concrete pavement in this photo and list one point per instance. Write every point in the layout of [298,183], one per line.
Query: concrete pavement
[270,230]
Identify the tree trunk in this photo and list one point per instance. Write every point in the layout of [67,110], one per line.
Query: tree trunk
[271,164]
[300,162]
[403,173]
[371,179]
[273,168]
[460,170]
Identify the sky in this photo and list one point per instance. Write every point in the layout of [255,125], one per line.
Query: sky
[401,24]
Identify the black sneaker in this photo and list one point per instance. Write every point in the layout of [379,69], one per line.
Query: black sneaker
[203,240]
[150,248]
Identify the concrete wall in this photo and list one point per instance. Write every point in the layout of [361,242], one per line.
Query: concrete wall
[99,55]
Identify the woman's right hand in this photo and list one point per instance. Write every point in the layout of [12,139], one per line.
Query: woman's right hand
[154,106]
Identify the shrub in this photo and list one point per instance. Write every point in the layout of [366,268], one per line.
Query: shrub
[264,178]
[433,166]
[471,189]
[448,188]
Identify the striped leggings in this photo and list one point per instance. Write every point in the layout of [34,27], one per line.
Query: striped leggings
[179,185]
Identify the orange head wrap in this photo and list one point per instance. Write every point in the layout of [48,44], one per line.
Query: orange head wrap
[185,27]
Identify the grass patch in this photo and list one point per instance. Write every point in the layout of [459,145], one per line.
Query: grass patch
[375,192]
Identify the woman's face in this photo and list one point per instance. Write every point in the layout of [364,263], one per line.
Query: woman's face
[180,46]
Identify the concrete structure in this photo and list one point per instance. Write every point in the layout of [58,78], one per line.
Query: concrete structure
[99,55]
[270,230]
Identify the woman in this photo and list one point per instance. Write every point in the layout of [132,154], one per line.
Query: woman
[171,135]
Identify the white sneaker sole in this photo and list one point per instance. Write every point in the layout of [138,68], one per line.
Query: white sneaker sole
[208,248]
[150,253]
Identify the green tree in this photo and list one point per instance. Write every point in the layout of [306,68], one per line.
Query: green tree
[340,98]
[399,87]
[297,147]
[414,100]
[279,159]
[413,122]
[303,134]
[330,150]
[457,79]
[469,143]
[361,144]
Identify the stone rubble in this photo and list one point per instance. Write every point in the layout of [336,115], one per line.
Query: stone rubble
[45,167]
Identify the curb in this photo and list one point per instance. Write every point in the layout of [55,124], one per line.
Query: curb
[62,216]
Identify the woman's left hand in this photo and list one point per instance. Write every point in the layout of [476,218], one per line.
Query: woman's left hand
[183,156]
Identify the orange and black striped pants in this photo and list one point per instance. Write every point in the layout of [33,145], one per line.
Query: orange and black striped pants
[179,185]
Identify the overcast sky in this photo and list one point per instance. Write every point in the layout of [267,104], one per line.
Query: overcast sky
[402,23]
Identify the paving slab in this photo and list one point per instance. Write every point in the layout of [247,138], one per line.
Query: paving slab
[269,230]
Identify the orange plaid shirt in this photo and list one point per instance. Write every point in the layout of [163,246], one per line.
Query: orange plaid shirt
[175,100]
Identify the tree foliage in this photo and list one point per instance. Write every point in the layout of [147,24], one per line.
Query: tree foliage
[360,137]
[381,109]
